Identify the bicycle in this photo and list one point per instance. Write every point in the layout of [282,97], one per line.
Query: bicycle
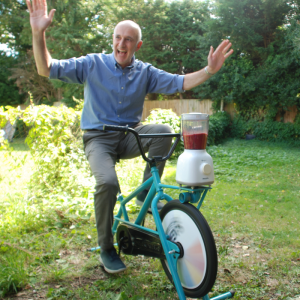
[183,241]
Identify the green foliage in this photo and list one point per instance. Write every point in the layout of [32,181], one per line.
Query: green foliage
[176,43]
[252,24]
[219,128]
[277,131]
[164,116]
[13,275]
[55,144]
[56,294]
[167,116]
[21,129]
[3,117]
[262,74]
[268,130]
[251,205]
[6,114]
[9,92]
[78,28]
[240,127]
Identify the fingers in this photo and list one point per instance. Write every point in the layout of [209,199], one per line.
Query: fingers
[222,46]
[51,14]
[211,51]
[29,6]
[227,47]
[228,53]
[35,5]
[223,49]
[44,5]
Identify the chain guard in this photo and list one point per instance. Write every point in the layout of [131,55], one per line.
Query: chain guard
[135,241]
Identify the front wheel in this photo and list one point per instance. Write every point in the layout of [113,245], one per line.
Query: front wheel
[197,269]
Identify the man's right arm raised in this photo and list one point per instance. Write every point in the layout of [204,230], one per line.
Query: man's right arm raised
[40,21]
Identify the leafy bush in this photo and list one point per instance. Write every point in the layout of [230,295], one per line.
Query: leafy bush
[6,114]
[277,131]
[240,127]
[55,143]
[268,130]
[219,128]
[166,116]
[21,129]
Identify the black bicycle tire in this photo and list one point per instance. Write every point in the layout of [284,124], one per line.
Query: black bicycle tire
[209,243]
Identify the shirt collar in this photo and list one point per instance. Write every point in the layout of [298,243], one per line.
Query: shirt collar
[131,66]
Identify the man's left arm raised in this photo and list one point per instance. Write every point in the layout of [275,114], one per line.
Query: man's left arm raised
[215,61]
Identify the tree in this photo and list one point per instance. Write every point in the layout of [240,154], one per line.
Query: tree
[173,33]
[78,28]
[262,74]
[9,92]
[251,25]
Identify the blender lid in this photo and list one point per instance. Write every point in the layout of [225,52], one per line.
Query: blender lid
[194,116]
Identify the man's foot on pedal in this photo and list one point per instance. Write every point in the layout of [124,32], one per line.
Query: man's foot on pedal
[141,198]
[110,260]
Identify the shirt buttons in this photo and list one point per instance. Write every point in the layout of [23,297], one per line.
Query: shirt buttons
[122,88]
[118,116]
[123,73]
[120,102]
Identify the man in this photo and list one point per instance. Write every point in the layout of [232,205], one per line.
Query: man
[115,86]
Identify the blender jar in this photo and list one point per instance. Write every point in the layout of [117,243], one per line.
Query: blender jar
[194,130]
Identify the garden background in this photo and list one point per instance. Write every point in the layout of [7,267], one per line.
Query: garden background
[46,188]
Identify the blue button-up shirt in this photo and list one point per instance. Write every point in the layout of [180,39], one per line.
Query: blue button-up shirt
[113,95]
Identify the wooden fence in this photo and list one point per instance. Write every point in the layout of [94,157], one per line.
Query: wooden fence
[178,106]
[289,115]
[181,106]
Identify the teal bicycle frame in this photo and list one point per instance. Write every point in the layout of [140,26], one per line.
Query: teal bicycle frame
[171,250]
[156,193]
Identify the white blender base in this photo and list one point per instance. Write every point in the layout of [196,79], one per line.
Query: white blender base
[195,168]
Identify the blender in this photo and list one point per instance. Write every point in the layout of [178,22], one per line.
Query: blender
[194,165]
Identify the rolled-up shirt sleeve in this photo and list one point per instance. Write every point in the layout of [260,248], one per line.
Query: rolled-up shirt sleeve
[164,82]
[73,70]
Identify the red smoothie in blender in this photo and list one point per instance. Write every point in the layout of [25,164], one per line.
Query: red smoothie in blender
[195,140]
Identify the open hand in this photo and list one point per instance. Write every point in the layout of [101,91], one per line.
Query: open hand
[39,18]
[216,58]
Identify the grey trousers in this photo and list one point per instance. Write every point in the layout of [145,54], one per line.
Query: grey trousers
[101,149]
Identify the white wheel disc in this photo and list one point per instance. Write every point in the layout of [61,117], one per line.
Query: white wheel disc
[192,266]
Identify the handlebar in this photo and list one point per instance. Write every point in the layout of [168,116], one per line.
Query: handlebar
[138,136]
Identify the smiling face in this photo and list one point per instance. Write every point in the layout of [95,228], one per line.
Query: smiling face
[126,42]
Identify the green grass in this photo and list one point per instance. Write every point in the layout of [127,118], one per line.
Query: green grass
[253,211]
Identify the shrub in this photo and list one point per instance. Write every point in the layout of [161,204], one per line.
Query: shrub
[7,114]
[21,129]
[267,130]
[277,132]
[166,116]
[55,143]
[240,127]
[219,128]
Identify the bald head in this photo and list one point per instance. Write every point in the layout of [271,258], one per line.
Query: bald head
[126,41]
[132,24]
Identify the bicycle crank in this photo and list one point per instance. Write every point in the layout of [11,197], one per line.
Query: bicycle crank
[135,241]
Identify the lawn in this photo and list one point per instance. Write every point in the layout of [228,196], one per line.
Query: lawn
[253,211]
